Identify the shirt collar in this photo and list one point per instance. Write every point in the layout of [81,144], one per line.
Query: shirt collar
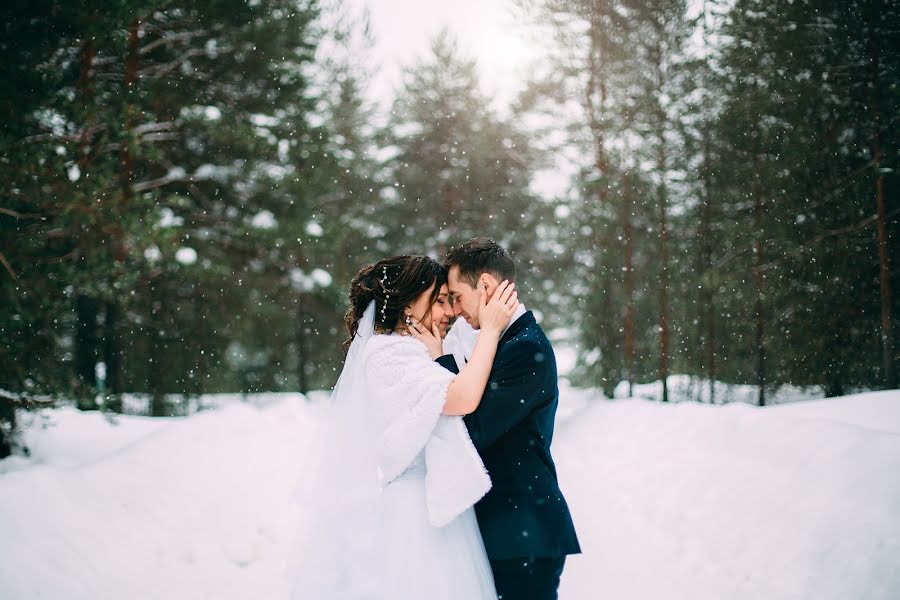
[515,317]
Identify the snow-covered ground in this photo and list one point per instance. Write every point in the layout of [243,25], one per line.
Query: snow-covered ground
[671,501]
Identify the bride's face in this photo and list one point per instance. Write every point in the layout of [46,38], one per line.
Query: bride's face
[441,311]
[421,308]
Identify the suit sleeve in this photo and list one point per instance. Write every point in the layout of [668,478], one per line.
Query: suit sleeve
[448,362]
[515,388]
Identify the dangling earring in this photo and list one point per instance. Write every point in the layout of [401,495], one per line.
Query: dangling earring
[408,320]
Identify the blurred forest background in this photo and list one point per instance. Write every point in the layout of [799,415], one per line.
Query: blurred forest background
[186,188]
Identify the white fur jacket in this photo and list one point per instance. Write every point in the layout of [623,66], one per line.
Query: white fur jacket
[408,390]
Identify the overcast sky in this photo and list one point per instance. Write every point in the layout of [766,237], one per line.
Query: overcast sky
[490,31]
[487,30]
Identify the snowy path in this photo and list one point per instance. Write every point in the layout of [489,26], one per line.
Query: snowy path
[681,501]
[625,555]
[693,501]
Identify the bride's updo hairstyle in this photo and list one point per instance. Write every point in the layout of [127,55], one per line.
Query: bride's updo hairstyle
[393,283]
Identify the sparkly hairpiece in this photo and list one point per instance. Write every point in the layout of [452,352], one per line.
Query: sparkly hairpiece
[387,296]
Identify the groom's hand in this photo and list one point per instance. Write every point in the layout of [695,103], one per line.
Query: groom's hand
[494,313]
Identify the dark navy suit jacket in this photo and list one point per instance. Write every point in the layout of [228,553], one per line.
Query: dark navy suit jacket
[524,514]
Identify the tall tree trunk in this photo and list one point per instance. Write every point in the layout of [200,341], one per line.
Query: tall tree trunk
[5,446]
[629,281]
[662,192]
[758,279]
[156,379]
[595,97]
[709,318]
[111,347]
[887,339]
[7,424]
[302,383]
[595,106]
[663,276]
[611,359]
[707,285]
[131,68]
[86,306]
[86,90]
[706,217]
[112,358]
[834,383]
[86,350]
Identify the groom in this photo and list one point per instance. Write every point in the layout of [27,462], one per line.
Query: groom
[524,519]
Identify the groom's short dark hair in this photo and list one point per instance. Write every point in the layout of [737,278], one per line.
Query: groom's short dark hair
[481,255]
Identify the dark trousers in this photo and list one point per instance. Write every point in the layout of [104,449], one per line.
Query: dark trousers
[528,578]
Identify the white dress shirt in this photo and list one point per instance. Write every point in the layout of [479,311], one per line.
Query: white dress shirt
[461,338]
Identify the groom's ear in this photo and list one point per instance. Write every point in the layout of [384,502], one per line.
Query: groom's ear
[489,283]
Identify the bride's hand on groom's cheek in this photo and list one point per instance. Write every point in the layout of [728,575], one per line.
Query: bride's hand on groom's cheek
[432,339]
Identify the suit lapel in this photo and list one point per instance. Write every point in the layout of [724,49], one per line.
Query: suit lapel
[520,324]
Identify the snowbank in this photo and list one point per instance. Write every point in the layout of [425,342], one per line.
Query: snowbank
[190,508]
[698,501]
[671,501]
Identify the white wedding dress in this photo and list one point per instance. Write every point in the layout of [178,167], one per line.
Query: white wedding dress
[391,516]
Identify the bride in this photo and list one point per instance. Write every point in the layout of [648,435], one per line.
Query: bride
[388,487]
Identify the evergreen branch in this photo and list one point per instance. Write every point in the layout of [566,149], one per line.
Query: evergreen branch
[80,136]
[157,71]
[8,266]
[25,401]
[830,233]
[59,259]
[184,36]
[153,127]
[17,215]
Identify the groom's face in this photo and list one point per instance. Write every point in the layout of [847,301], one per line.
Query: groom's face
[466,299]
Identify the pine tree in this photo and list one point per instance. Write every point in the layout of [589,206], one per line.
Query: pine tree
[149,195]
[797,85]
[459,171]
